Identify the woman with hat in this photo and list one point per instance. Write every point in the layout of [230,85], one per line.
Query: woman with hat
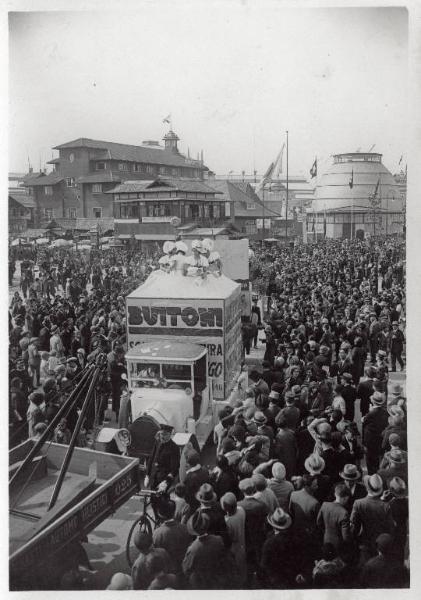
[279,560]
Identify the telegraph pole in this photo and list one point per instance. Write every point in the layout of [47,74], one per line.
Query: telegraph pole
[286,200]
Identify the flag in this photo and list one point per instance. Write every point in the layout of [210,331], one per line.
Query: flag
[266,177]
[373,198]
[314,223]
[400,160]
[351,181]
[313,170]
[167,119]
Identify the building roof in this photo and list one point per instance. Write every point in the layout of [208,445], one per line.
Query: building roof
[23,199]
[131,153]
[246,202]
[166,349]
[51,179]
[162,184]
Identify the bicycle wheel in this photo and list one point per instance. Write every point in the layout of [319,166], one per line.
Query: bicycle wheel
[143,525]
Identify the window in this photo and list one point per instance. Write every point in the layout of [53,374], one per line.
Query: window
[162,170]
[175,172]
[97,212]
[72,213]
[227,209]
[31,191]
[149,169]
[100,166]
[49,214]
[97,188]
[250,206]
[137,168]
[48,190]
[70,181]
[123,167]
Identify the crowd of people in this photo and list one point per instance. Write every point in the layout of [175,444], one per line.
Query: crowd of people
[310,487]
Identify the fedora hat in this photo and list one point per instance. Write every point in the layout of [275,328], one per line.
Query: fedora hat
[350,473]
[314,464]
[374,484]
[396,456]
[397,389]
[274,395]
[395,411]
[377,399]
[324,431]
[347,377]
[279,519]
[206,494]
[259,418]
[382,353]
[398,487]
[198,524]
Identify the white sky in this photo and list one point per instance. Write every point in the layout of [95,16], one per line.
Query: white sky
[234,76]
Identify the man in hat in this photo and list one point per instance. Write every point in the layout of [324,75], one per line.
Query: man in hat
[196,475]
[349,394]
[256,513]
[209,505]
[397,398]
[351,476]
[34,361]
[384,570]
[396,342]
[290,413]
[370,517]
[285,446]
[164,461]
[115,366]
[274,572]
[365,389]
[333,518]
[171,535]
[56,344]
[304,508]
[397,467]
[204,562]
[373,425]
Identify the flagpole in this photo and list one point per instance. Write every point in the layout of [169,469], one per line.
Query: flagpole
[286,200]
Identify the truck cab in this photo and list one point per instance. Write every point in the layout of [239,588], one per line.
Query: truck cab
[168,383]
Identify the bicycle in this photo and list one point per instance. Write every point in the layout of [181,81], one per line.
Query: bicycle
[146,523]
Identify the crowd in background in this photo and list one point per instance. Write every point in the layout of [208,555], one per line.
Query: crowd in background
[310,487]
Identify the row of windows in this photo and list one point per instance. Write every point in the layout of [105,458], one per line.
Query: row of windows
[18,212]
[150,169]
[69,213]
[193,211]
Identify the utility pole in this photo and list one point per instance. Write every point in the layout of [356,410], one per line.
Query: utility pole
[286,199]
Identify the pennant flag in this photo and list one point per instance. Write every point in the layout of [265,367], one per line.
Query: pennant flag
[167,119]
[313,170]
[400,160]
[351,181]
[314,223]
[266,177]
[373,198]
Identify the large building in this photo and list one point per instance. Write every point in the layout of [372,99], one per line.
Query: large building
[164,208]
[87,169]
[356,197]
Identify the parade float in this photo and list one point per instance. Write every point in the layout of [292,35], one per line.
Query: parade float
[184,345]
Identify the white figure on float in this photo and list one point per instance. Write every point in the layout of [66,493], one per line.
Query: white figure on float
[215,264]
[179,258]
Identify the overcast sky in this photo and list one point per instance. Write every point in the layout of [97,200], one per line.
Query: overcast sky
[234,77]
